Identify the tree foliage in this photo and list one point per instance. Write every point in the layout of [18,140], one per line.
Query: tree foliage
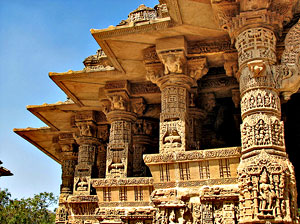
[33,210]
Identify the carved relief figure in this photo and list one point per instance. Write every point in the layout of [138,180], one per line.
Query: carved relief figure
[117,102]
[82,184]
[172,62]
[267,194]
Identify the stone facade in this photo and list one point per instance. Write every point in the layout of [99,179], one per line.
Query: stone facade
[185,128]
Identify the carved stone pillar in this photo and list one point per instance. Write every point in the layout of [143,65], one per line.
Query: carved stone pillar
[103,134]
[69,161]
[142,131]
[266,176]
[121,111]
[174,79]
[88,145]
[69,157]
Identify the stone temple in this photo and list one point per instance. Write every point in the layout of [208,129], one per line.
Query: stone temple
[179,117]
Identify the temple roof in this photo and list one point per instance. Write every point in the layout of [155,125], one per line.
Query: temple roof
[42,138]
[4,171]
[124,50]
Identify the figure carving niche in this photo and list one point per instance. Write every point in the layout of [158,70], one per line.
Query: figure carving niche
[267,194]
[267,182]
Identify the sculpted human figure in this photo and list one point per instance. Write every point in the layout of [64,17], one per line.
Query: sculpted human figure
[172,64]
[267,193]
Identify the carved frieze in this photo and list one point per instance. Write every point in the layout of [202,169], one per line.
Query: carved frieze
[207,84]
[209,47]
[136,181]
[135,209]
[192,155]
[62,214]
[83,199]
[144,88]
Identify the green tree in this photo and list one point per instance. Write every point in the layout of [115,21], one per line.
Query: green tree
[33,210]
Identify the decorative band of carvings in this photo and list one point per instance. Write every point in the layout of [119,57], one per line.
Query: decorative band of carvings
[193,155]
[209,47]
[196,183]
[208,182]
[164,185]
[83,199]
[144,88]
[124,204]
[134,181]
[208,84]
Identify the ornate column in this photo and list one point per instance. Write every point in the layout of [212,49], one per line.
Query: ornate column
[69,155]
[174,76]
[121,111]
[266,177]
[142,133]
[88,144]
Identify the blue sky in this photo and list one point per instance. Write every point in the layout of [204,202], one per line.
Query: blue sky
[37,37]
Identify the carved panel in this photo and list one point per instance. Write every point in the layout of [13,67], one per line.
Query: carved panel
[118,149]
[256,43]
[267,188]
[261,131]
[262,99]
[174,100]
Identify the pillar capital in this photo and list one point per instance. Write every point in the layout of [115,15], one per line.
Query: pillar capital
[172,67]
[119,104]
[237,16]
